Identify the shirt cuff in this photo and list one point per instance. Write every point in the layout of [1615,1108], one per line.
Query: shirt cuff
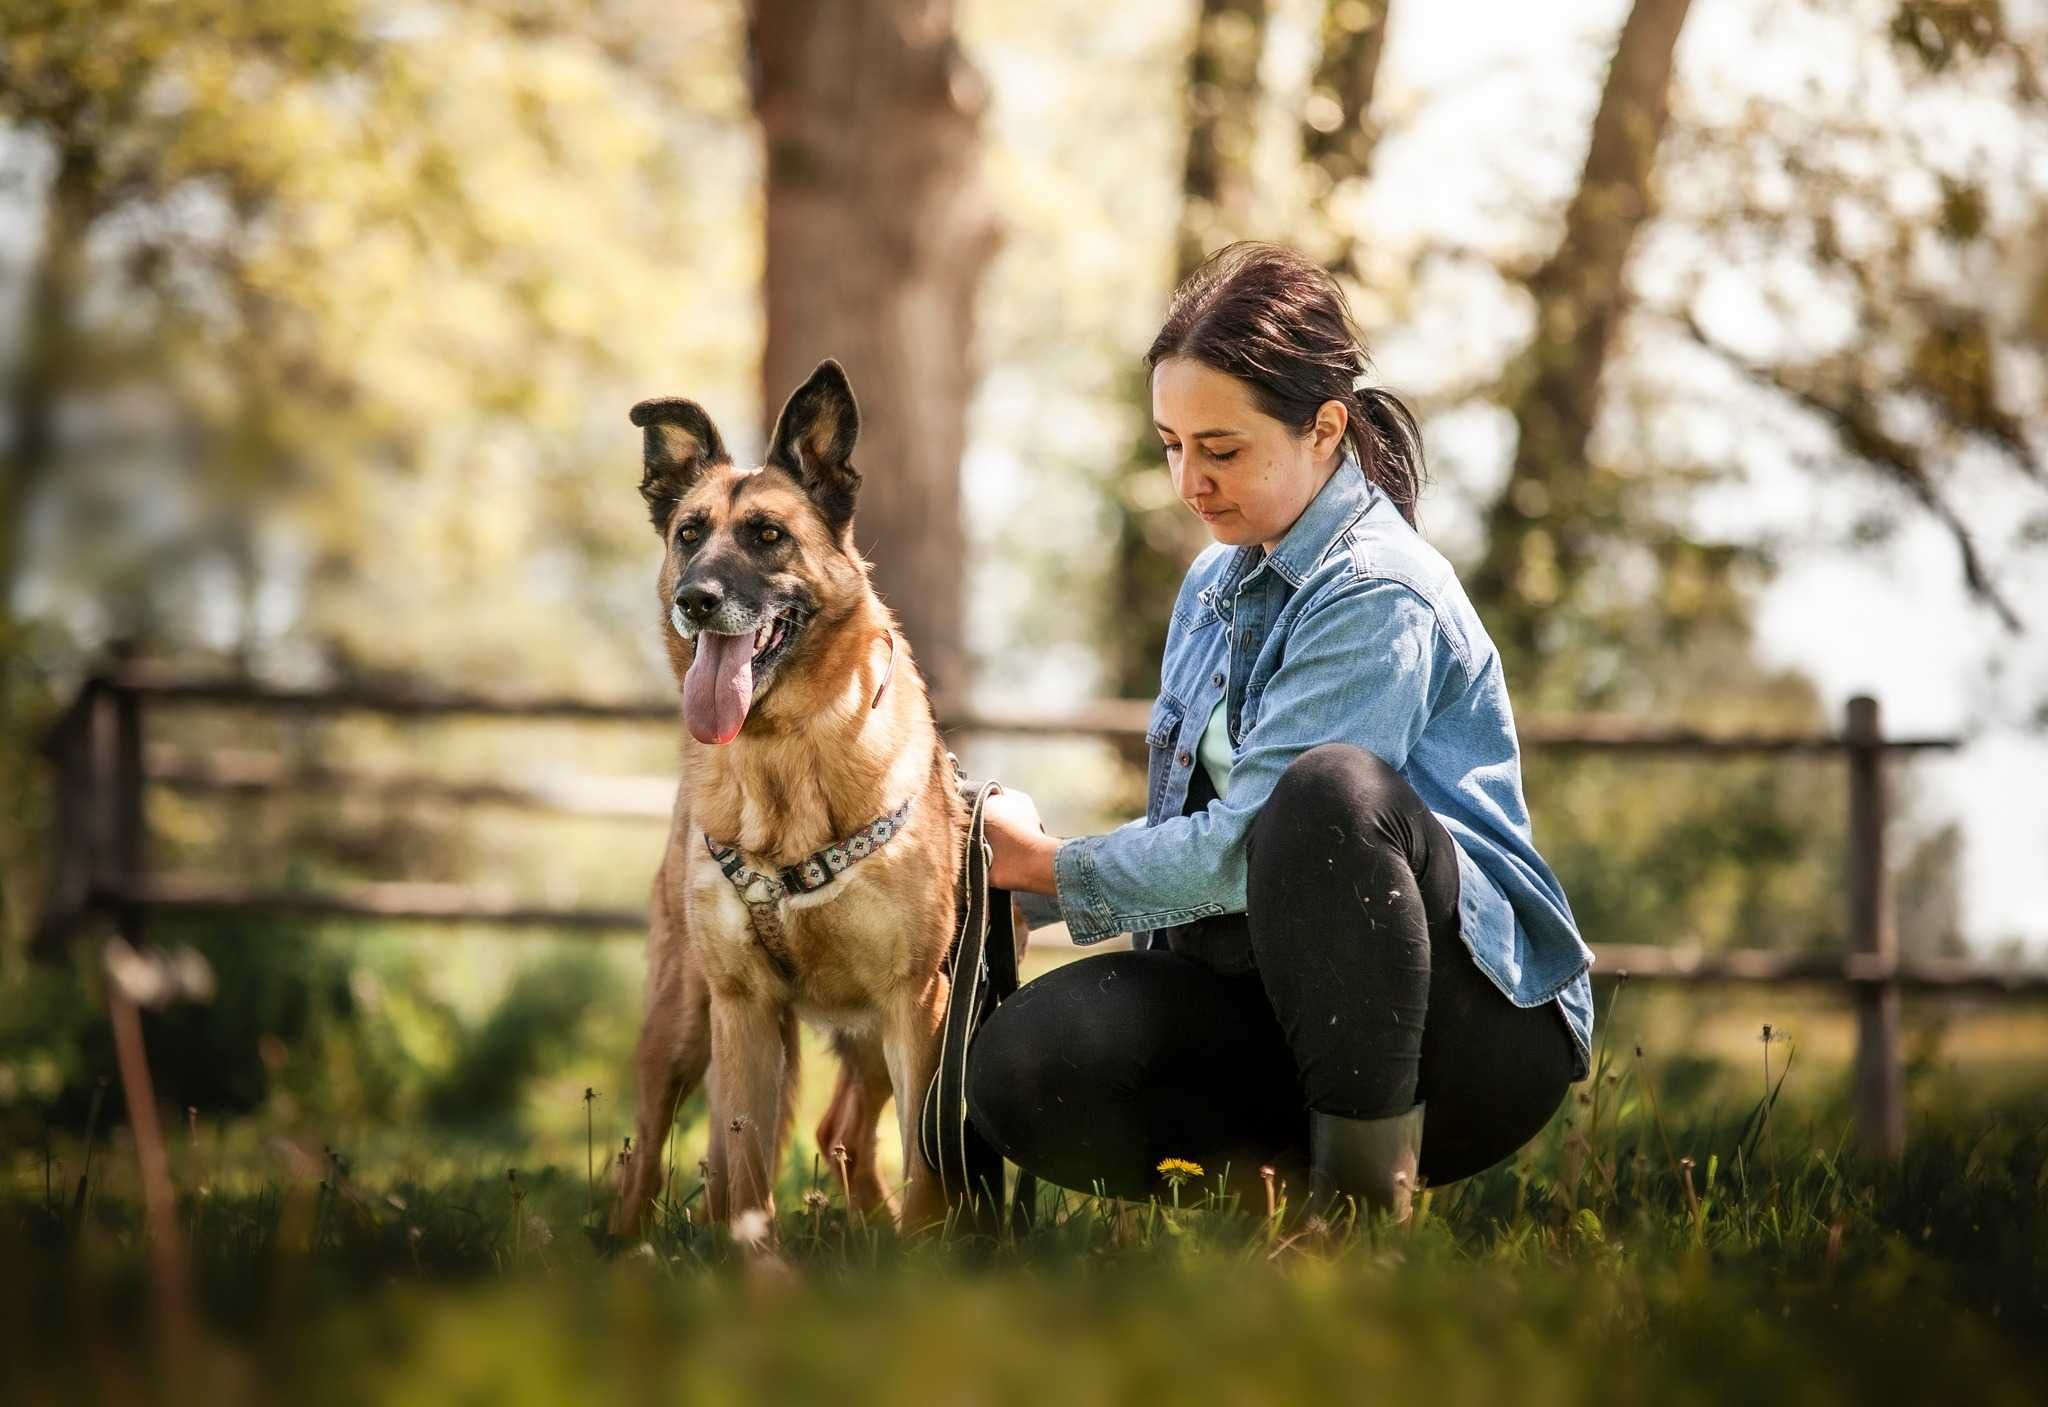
[1040,910]
[1089,916]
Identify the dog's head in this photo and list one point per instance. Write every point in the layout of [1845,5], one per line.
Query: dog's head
[758,559]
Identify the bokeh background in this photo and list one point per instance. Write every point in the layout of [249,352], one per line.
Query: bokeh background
[1726,321]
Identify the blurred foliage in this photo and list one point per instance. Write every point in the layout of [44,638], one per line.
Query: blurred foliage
[26,707]
[535,1027]
[334,313]
[335,1032]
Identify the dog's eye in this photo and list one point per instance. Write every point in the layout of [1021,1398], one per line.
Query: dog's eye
[688,535]
[769,535]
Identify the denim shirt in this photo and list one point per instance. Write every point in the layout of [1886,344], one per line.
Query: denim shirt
[1352,630]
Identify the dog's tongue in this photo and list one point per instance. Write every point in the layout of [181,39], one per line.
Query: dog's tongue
[719,687]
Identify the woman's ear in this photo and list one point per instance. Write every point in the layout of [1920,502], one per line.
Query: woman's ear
[1332,419]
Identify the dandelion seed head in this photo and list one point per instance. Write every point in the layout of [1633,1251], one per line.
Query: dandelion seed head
[750,1228]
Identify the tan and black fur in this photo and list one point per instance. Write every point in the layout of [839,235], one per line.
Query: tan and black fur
[837,735]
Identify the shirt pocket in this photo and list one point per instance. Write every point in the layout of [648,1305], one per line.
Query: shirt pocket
[1160,735]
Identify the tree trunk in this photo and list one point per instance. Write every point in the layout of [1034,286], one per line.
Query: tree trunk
[878,229]
[1337,136]
[1545,528]
[1222,104]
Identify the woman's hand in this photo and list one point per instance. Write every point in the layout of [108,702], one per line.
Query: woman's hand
[1023,851]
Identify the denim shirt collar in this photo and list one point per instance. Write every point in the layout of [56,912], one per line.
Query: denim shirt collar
[1335,507]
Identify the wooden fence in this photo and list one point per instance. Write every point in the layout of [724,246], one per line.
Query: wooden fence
[104,766]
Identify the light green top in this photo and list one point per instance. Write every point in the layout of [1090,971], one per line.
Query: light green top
[1215,750]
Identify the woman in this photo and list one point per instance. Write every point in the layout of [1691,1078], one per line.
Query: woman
[1341,917]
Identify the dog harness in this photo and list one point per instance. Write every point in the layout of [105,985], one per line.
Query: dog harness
[763,891]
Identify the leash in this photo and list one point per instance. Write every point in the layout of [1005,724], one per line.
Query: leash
[983,969]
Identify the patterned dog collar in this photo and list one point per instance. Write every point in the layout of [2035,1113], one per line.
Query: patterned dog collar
[757,887]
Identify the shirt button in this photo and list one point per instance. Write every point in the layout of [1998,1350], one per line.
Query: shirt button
[1217,679]
[1183,759]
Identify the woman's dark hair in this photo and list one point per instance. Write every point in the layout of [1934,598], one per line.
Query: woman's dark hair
[1278,322]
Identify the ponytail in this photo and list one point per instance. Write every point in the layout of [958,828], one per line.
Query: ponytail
[1389,445]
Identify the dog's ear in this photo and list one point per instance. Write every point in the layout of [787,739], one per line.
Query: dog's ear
[813,441]
[678,442]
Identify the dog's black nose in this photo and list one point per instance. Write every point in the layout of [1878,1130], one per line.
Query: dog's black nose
[698,602]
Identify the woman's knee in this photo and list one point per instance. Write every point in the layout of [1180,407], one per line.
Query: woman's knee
[1338,791]
[1342,777]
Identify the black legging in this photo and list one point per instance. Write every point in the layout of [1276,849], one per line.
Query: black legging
[1345,988]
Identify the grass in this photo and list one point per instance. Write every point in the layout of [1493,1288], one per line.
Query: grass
[1682,1231]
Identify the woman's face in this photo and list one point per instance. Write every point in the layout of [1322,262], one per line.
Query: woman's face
[1246,475]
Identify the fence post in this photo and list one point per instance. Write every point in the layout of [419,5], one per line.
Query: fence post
[118,826]
[131,832]
[1880,1104]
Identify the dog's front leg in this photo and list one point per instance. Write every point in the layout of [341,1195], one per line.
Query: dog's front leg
[748,1058]
[910,1042]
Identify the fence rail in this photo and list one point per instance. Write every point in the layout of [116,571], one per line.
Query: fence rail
[104,766]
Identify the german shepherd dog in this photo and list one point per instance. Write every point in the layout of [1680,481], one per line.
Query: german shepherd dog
[806,720]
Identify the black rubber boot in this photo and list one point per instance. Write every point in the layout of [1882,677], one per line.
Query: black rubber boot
[1369,1161]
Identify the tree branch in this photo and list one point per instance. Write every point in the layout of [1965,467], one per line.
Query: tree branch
[1863,438]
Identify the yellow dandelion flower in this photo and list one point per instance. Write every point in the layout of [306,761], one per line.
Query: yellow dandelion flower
[1179,1167]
